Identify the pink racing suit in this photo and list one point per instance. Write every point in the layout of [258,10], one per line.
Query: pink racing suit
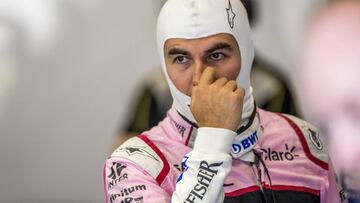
[167,164]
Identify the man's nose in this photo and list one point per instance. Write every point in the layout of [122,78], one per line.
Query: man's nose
[198,69]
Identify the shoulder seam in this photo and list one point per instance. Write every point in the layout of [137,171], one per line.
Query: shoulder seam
[303,142]
[166,168]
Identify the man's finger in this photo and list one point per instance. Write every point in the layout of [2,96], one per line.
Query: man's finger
[231,85]
[193,91]
[208,76]
[221,81]
[240,91]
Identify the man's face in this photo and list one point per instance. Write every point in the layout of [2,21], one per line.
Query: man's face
[187,58]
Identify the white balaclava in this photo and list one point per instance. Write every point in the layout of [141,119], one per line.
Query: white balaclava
[192,19]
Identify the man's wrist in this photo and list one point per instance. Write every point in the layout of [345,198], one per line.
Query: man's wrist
[214,140]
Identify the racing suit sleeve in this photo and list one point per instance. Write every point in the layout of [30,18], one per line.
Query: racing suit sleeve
[335,192]
[206,168]
[126,182]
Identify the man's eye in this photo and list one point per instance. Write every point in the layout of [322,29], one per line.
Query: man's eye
[181,59]
[217,56]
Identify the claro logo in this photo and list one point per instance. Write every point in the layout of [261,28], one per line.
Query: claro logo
[286,155]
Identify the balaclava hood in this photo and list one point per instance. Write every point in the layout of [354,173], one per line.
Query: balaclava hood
[191,19]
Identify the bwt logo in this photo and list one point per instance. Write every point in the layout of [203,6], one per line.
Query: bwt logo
[245,143]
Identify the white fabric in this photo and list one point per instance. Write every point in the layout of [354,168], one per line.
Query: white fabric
[191,19]
[209,138]
[205,168]
[240,146]
[243,143]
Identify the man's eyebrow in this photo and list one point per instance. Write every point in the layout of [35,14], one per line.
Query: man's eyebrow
[176,51]
[221,45]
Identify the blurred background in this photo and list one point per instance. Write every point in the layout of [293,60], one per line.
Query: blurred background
[69,70]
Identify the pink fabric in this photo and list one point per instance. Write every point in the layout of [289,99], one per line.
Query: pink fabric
[282,150]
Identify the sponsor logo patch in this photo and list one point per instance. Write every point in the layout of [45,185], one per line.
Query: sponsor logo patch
[181,129]
[183,168]
[342,195]
[138,150]
[314,137]
[231,15]
[133,200]
[179,167]
[286,155]
[117,174]
[204,177]
[126,192]
[245,143]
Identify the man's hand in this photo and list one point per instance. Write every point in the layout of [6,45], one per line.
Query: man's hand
[217,102]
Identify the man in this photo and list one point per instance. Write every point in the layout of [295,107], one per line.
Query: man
[215,145]
[153,99]
[329,86]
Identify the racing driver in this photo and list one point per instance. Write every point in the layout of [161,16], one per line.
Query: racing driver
[215,145]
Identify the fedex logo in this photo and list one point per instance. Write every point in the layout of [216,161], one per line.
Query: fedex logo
[245,143]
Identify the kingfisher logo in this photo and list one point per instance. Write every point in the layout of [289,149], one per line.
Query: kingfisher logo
[206,173]
[288,154]
[245,143]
